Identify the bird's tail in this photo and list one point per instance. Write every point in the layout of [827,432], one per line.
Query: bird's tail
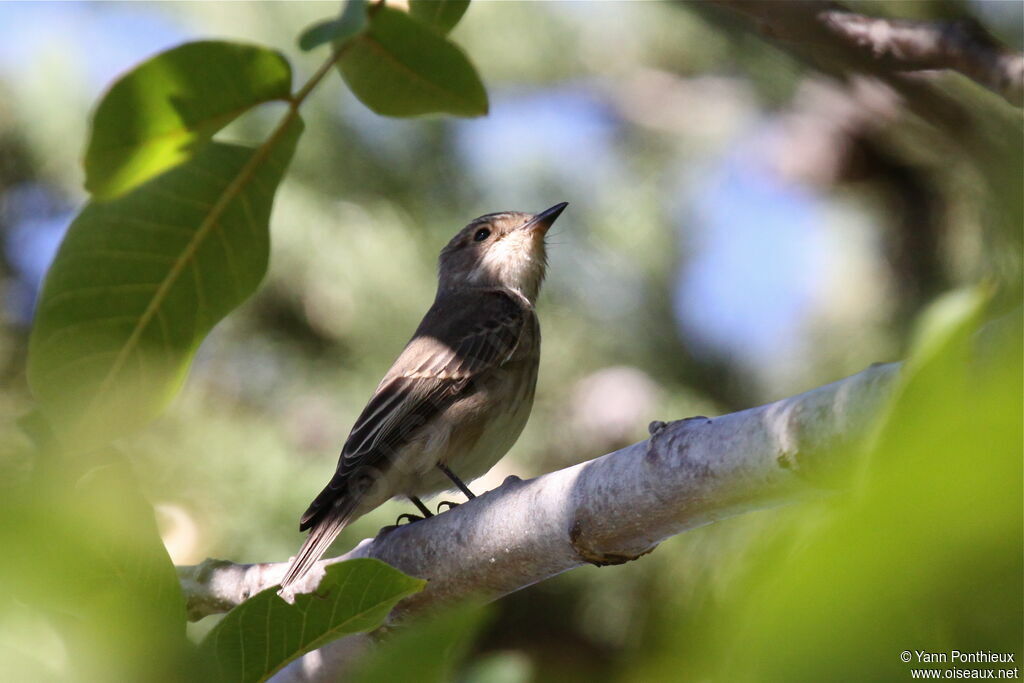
[323,533]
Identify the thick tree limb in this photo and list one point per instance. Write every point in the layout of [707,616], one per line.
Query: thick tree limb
[605,511]
[889,48]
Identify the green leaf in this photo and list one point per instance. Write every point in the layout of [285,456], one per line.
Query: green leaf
[426,652]
[400,67]
[264,633]
[159,114]
[946,324]
[503,667]
[441,14]
[932,539]
[140,280]
[336,31]
[36,427]
[86,545]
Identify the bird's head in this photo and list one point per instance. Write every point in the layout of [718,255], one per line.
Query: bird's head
[503,249]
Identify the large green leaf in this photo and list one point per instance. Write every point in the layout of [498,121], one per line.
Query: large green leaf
[140,280]
[264,633]
[85,544]
[159,113]
[926,556]
[441,14]
[401,67]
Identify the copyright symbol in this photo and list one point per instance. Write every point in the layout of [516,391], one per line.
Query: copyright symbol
[905,655]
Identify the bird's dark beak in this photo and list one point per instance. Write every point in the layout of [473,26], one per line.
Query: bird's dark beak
[545,219]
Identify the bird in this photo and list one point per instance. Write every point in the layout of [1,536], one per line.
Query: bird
[458,396]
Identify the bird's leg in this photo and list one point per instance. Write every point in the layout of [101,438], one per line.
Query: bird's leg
[455,480]
[422,508]
[413,518]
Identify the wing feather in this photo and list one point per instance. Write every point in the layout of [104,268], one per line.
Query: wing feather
[461,337]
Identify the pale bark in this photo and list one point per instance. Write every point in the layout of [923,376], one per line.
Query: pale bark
[609,510]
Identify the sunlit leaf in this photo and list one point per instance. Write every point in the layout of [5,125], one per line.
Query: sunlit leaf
[264,633]
[509,666]
[351,22]
[140,280]
[158,114]
[441,14]
[943,330]
[401,67]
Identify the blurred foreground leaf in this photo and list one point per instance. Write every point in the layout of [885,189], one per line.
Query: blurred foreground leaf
[140,280]
[351,22]
[942,343]
[426,652]
[441,14]
[926,555]
[264,633]
[158,114]
[401,67]
[83,552]
[501,667]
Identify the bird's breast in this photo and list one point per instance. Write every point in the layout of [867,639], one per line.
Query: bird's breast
[478,430]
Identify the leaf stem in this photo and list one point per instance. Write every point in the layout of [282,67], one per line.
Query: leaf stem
[299,97]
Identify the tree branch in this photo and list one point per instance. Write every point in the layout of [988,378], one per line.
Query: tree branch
[605,511]
[891,47]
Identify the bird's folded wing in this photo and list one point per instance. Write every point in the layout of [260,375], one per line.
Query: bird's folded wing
[462,336]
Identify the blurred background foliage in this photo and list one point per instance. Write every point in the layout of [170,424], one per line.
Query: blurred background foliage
[740,228]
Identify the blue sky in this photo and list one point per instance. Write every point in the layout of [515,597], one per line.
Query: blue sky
[758,255]
[110,37]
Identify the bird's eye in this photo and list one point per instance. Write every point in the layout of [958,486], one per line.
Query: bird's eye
[481,235]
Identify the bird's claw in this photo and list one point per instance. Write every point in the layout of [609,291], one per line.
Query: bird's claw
[408,517]
[449,503]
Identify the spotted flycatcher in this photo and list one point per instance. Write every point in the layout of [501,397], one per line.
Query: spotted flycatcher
[460,393]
